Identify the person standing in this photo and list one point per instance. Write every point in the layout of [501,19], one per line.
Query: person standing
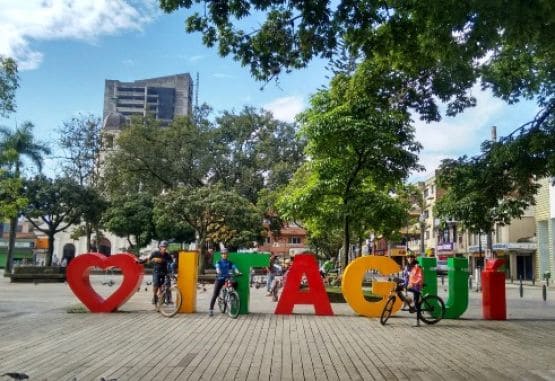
[414,281]
[224,268]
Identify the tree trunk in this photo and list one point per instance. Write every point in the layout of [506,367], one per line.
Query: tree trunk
[48,259]
[202,254]
[346,235]
[11,245]
[88,233]
[489,241]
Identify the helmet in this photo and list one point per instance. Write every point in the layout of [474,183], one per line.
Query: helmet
[163,244]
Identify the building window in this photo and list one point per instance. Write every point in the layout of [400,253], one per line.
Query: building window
[295,240]
[427,234]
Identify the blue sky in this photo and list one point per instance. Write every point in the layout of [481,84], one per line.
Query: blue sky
[66,49]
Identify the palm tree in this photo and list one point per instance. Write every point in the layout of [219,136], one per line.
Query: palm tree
[21,143]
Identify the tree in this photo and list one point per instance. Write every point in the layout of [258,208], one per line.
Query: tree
[11,199]
[442,48]
[150,158]
[131,216]
[81,142]
[360,147]
[16,145]
[9,82]
[54,205]
[251,150]
[214,213]
[421,52]
[479,195]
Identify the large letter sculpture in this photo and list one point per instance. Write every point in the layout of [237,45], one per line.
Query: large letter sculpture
[304,264]
[351,285]
[494,302]
[245,262]
[78,271]
[457,302]
[187,280]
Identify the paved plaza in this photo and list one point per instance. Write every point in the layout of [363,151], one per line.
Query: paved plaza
[45,335]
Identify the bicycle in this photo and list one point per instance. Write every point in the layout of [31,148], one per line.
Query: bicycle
[229,298]
[166,292]
[431,311]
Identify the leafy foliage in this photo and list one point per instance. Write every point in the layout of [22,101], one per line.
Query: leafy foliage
[14,146]
[81,141]
[54,205]
[251,150]
[151,158]
[360,148]
[499,184]
[11,199]
[9,82]
[214,213]
[434,49]
[131,216]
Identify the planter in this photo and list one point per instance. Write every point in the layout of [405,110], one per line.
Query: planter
[38,274]
[336,296]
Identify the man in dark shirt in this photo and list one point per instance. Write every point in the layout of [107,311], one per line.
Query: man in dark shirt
[161,258]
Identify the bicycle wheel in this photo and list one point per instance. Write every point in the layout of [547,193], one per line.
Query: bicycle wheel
[170,304]
[234,304]
[386,313]
[432,309]
[222,304]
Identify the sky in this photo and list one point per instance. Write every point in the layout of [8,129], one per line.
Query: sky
[66,49]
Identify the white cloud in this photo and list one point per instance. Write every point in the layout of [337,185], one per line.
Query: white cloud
[286,108]
[23,22]
[196,58]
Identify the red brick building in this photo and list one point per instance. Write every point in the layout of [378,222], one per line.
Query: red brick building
[291,240]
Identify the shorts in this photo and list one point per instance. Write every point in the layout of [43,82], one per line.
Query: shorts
[158,279]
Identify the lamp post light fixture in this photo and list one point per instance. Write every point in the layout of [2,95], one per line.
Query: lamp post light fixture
[422,220]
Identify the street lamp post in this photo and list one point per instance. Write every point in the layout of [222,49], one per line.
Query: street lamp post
[422,220]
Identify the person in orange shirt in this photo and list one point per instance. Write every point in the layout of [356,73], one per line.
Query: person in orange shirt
[414,281]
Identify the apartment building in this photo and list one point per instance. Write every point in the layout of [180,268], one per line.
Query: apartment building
[516,242]
[290,241]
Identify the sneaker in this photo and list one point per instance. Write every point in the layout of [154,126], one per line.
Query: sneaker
[211,313]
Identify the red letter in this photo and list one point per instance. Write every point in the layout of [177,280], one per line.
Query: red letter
[316,294]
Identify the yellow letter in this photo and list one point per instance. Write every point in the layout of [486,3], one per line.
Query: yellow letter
[187,280]
[351,285]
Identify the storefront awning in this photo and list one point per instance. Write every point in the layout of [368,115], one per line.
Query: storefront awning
[507,246]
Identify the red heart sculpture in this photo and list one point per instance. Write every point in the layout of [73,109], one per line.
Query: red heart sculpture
[77,275]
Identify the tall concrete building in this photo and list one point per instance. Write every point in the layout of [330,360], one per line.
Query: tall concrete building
[163,98]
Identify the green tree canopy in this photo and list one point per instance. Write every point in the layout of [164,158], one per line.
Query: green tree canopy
[437,49]
[214,213]
[251,150]
[131,216]
[360,147]
[151,158]
[54,205]
[81,143]
[9,82]
[14,147]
